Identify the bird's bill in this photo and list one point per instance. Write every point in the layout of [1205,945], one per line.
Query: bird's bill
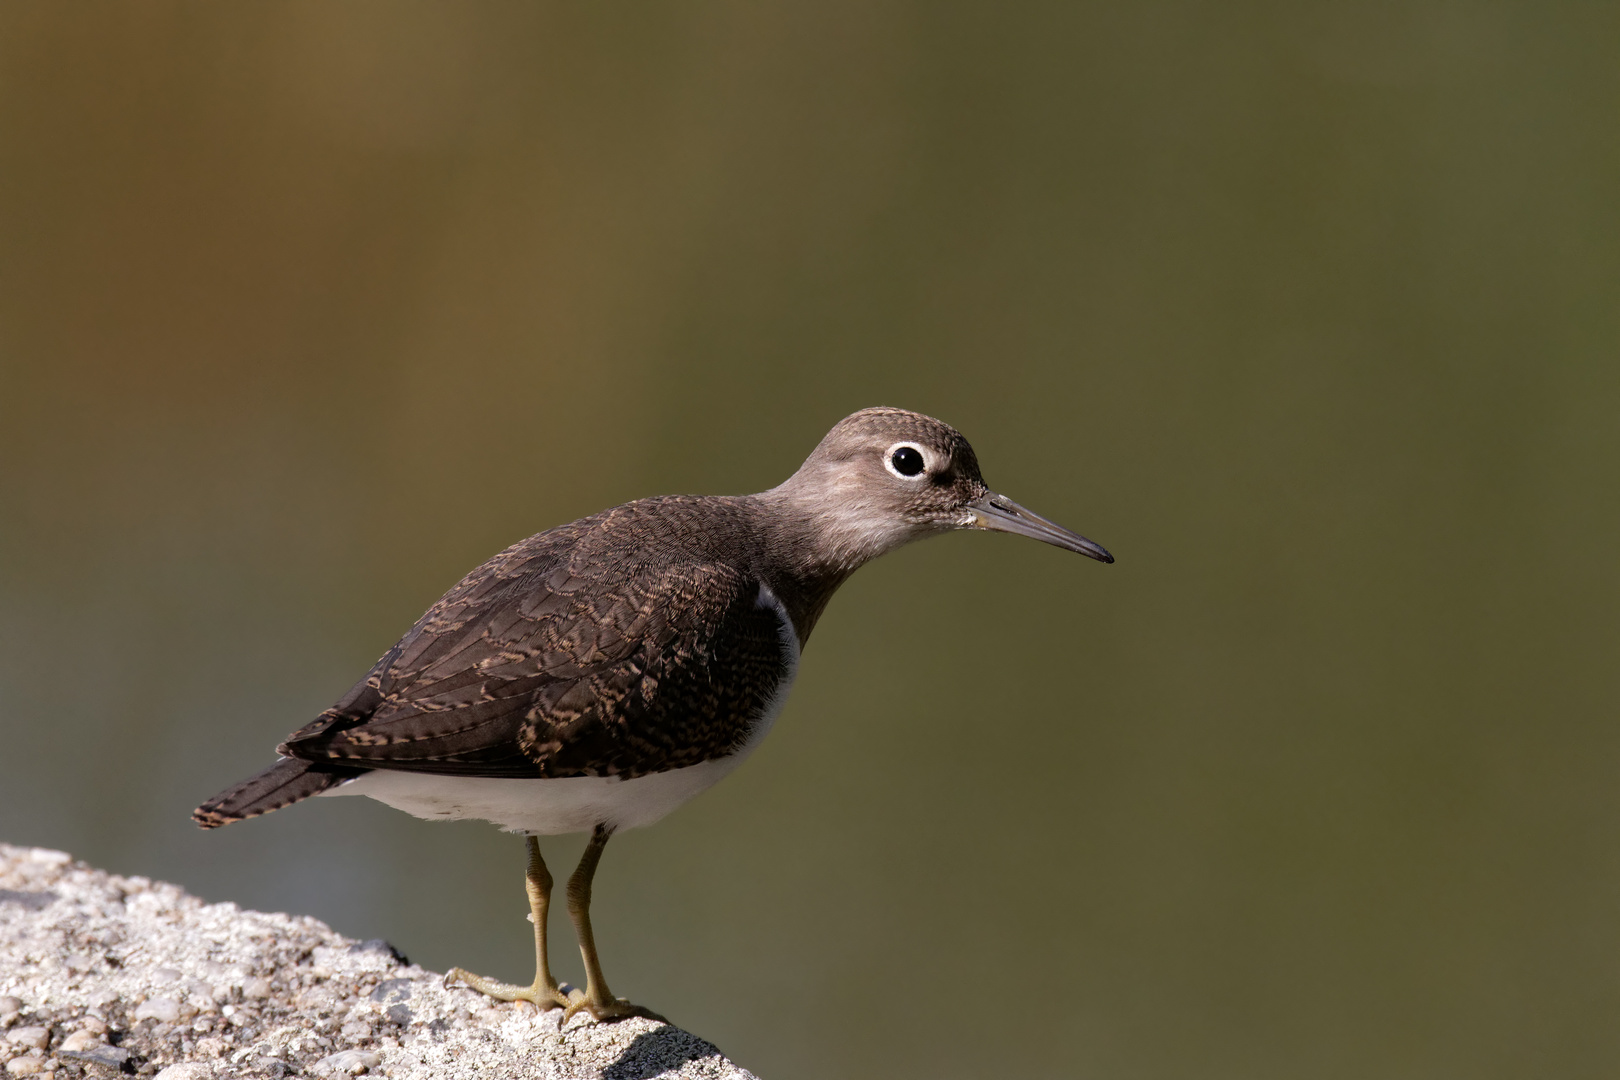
[1001,514]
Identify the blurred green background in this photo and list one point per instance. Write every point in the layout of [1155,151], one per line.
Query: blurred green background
[1308,311]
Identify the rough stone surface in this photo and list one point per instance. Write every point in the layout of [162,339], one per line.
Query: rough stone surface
[103,975]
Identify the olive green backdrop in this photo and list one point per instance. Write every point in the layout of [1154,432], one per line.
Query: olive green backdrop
[1307,311]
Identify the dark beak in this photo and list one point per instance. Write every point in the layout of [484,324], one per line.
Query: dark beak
[1003,515]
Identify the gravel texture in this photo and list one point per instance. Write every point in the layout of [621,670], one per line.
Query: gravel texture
[102,975]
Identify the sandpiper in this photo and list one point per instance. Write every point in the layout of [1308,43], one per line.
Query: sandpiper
[597,675]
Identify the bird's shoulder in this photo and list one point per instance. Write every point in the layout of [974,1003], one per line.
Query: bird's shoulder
[638,568]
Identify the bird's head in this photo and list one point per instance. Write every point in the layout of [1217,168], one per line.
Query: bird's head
[885,477]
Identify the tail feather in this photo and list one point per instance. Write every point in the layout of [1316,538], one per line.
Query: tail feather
[282,784]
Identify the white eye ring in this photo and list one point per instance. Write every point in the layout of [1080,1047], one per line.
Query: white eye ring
[888,461]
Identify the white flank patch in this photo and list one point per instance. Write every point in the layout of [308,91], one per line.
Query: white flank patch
[573,803]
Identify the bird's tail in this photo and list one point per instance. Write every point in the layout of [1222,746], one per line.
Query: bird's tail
[282,784]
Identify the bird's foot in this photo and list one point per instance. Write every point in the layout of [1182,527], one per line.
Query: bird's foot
[606,1010]
[545,995]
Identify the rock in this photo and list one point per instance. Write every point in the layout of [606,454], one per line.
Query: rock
[352,1062]
[37,1037]
[113,1057]
[381,946]
[162,1009]
[186,1070]
[27,899]
[193,991]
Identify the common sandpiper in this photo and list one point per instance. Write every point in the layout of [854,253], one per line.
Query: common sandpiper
[597,675]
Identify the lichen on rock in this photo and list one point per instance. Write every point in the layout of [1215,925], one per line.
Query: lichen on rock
[102,975]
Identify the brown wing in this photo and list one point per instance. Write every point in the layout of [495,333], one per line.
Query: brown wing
[551,660]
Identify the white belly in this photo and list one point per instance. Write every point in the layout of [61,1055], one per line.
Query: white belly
[541,807]
[571,803]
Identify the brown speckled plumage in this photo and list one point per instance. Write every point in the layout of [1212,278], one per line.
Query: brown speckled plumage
[634,641]
[584,651]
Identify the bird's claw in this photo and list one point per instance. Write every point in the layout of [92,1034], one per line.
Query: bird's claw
[606,1011]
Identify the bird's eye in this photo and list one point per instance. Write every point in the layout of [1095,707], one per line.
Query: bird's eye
[906,460]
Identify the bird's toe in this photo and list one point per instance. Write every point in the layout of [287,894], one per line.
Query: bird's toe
[608,1011]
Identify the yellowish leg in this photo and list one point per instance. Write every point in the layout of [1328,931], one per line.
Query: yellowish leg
[543,991]
[597,999]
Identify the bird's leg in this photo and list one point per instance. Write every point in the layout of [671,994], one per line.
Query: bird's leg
[543,991]
[597,998]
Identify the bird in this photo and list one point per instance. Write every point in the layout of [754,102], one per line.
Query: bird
[597,675]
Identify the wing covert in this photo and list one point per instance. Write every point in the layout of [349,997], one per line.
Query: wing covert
[529,667]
